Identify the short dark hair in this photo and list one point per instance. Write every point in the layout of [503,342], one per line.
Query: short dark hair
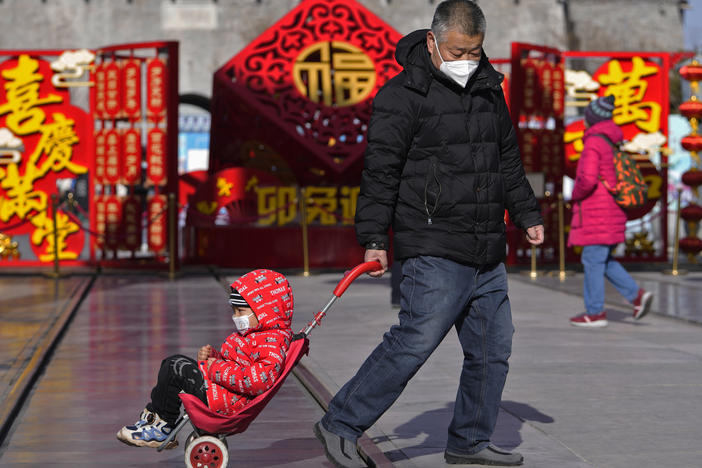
[462,15]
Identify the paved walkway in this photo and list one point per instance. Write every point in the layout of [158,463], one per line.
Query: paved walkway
[624,396]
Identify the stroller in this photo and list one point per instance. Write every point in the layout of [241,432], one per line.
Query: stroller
[206,446]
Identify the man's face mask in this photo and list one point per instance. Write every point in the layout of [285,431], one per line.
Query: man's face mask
[242,323]
[459,71]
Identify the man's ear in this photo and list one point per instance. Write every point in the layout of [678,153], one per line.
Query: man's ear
[431,42]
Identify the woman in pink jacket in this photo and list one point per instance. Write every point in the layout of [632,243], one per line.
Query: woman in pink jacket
[598,223]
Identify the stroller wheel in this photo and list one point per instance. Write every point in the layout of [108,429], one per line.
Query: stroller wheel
[206,452]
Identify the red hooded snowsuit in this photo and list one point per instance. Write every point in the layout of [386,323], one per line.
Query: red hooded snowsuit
[597,219]
[248,364]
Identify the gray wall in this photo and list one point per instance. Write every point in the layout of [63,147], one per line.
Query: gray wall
[591,24]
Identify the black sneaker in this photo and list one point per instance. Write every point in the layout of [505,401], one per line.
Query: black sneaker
[490,455]
[341,452]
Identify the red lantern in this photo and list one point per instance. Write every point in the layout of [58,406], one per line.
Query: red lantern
[691,212]
[100,214]
[100,155]
[131,211]
[157,223]
[113,89]
[113,221]
[691,109]
[132,89]
[692,178]
[692,142]
[131,162]
[155,89]
[100,87]
[692,72]
[113,156]
[691,245]
[156,157]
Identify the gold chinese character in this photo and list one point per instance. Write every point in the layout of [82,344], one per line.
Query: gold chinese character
[629,89]
[335,73]
[321,203]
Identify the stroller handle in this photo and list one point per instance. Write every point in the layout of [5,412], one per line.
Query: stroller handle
[350,276]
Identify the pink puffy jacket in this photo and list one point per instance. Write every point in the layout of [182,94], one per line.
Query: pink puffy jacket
[597,219]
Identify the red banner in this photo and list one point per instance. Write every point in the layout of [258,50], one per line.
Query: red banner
[100,155]
[157,223]
[156,157]
[113,156]
[100,89]
[132,89]
[113,90]
[131,162]
[113,221]
[131,220]
[155,89]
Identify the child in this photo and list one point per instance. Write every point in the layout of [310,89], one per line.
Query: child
[247,364]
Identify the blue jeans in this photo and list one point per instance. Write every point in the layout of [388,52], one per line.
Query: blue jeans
[599,264]
[437,294]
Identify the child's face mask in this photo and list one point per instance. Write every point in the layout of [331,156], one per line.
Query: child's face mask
[242,322]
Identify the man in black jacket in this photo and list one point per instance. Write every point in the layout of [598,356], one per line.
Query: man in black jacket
[441,167]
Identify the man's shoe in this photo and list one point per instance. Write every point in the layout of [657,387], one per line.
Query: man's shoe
[642,304]
[490,455]
[590,321]
[341,452]
[149,431]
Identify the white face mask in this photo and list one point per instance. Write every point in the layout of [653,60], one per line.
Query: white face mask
[242,323]
[459,71]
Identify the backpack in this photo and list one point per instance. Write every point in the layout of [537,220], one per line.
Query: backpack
[631,190]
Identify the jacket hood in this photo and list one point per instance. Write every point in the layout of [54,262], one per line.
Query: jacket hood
[412,55]
[270,296]
[607,128]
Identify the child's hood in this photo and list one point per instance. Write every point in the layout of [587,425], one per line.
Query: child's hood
[270,296]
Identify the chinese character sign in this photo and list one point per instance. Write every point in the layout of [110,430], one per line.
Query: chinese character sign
[50,138]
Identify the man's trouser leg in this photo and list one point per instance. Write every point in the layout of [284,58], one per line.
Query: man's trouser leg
[485,334]
[434,292]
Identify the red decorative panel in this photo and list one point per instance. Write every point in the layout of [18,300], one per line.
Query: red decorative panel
[131,211]
[131,73]
[156,156]
[113,90]
[113,156]
[155,89]
[304,88]
[131,169]
[157,223]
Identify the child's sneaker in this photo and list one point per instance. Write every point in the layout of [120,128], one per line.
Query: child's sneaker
[642,304]
[591,321]
[149,431]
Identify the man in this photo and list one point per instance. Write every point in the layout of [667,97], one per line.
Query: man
[441,167]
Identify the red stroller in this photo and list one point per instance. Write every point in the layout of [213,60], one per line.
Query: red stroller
[206,446]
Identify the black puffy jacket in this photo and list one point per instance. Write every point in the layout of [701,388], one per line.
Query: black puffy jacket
[442,164]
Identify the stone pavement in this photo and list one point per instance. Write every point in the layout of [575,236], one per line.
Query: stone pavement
[624,396]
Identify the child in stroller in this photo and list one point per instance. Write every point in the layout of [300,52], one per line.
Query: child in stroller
[248,363]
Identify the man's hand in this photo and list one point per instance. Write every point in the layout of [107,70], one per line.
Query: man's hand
[535,234]
[204,352]
[380,256]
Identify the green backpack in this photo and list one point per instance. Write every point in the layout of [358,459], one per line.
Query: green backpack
[631,190]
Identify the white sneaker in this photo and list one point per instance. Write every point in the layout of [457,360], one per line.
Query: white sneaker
[149,431]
